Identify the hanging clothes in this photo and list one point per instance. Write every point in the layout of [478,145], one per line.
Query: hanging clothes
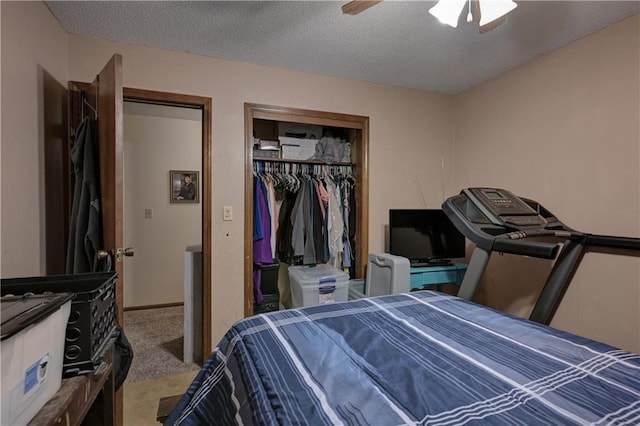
[312,221]
[85,226]
[335,225]
[352,225]
[302,237]
[284,249]
[323,236]
[273,212]
[262,253]
[348,215]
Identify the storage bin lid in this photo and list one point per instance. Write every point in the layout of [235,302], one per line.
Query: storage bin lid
[19,312]
[317,274]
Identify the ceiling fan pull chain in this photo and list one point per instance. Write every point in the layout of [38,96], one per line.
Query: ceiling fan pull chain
[469,15]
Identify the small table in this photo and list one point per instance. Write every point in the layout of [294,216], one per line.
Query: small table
[75,399]
[437,275]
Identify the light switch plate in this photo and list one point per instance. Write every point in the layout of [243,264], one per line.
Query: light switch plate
[227,213]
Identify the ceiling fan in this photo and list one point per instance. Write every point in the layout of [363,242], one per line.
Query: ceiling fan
[491,13]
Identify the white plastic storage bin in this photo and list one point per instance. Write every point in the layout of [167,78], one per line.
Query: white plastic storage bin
[33,336]
[356,289]
[387,274]
[317,285]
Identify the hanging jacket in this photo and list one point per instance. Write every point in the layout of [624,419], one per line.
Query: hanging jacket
[85,227]
[302,237]
[285,229]
[335,225]
[262,253]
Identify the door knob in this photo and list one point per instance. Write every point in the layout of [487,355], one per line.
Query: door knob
[120,253]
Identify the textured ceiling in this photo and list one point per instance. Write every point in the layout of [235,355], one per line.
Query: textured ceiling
[396,42]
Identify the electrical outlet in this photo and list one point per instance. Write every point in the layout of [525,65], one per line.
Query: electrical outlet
[227,213]
[148,213]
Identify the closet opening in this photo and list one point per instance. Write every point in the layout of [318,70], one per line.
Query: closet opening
[284,146]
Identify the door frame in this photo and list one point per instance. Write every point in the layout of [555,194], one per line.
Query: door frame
[205,105]
[357,123]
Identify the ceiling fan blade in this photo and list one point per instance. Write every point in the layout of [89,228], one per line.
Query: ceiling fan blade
[506,7]
[492,25]
[357,6]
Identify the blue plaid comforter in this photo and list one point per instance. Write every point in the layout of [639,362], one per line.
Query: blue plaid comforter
[410,359]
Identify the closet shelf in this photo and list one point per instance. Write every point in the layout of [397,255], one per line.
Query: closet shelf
[283,160]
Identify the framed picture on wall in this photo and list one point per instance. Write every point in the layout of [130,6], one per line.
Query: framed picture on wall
[183,186]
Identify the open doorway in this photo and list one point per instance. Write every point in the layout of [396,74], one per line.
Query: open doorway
[162,160]
[167,136]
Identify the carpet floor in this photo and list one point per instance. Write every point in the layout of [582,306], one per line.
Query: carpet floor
[156,336]
[141,399]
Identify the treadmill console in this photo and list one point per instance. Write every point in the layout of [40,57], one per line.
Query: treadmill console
[503,207]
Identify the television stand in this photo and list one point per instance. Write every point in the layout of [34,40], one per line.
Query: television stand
[439,262]
[436,275]
[431,262]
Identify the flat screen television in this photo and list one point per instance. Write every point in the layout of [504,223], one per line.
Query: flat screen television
[425,237]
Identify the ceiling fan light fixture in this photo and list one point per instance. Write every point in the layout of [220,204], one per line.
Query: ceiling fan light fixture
[448,11]
[490,10]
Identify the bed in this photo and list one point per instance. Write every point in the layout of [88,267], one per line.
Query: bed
[417,358]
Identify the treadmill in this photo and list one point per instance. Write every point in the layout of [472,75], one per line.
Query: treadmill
[497,220]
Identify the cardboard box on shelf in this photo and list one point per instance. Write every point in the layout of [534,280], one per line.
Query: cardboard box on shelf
[297,149]
[299,130]
[266,153]
[269,144]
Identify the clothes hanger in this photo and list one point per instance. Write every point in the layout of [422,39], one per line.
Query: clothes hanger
[95,111]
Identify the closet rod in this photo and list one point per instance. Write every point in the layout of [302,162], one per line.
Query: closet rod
[320,162]
[315,166]
[305,168]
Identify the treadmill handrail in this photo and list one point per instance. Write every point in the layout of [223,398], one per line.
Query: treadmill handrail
[526,248]
[610,241]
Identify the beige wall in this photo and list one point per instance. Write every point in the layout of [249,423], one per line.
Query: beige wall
[565,130]
[578,103]
[411,133]
[158,139]
[34,55]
